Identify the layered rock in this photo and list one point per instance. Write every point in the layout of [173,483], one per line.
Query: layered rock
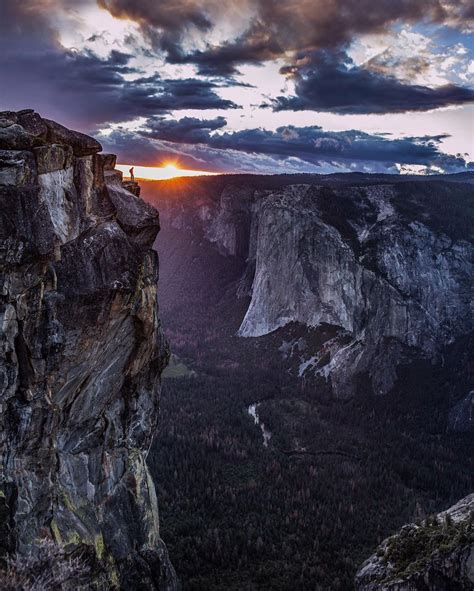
[82,354]
[436,555]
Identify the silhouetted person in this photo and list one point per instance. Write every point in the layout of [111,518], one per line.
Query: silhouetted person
[132,176]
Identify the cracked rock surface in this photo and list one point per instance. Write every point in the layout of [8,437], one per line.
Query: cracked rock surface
[82,353]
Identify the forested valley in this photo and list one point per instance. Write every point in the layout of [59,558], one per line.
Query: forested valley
[304,512]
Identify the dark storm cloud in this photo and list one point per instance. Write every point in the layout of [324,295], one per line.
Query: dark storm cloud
[255,47]
[315,146]
[275,27]
[79,88]
[330,81]
[154,94]
[188,130]
[132,147]
[319,28]
[173,16]
[195,143]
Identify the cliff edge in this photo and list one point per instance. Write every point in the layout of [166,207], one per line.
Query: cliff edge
[82,352]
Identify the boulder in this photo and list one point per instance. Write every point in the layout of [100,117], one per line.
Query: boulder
[109,161]
[33,124]
[7,118]
[14,137]
[53,157]
[17,167]
[113,176]
[139,219]
[81,144]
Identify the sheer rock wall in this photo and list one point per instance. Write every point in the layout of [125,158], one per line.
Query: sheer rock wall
[82,352]
[375,260]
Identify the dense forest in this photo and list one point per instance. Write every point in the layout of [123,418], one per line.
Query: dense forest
[305,511]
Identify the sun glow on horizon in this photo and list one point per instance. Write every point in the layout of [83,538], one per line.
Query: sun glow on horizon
[160,173]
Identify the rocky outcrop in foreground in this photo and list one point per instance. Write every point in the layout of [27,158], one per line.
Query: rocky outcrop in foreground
[81,355]
[437,555]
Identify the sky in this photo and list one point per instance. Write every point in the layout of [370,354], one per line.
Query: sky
[259,86]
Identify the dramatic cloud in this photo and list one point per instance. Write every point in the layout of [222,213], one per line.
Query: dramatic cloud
[315,29]
[183,94]
[111,64]
[194,142]
[268,29]
[80,88]
[330,81]
[173,17]
[188,130]
[415,58]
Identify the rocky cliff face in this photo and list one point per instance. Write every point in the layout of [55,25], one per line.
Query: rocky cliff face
[82,353]
[390,284]
[386,264]
[436,555]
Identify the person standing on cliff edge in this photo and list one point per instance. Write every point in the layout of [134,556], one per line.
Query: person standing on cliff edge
[132,175]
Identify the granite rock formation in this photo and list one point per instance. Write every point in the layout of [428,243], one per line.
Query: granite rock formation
[386,263]
[82,354]
[436,555]
[389,284]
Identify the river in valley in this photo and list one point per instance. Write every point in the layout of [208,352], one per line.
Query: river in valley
[253,412]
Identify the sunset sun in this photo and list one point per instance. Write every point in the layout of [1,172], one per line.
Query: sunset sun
[169,170]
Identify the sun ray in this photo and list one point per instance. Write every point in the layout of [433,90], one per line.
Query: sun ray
[168,171]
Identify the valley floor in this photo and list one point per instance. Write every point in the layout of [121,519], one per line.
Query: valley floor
[304,512]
